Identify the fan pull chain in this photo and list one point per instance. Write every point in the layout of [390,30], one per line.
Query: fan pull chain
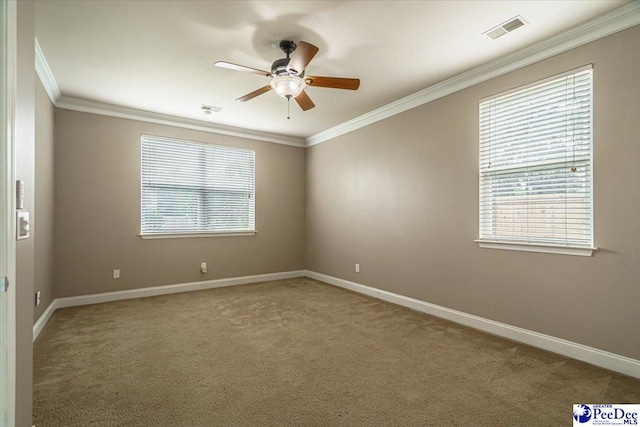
[288,103]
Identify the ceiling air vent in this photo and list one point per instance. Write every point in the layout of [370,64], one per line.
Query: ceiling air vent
[208,109]
[504,28]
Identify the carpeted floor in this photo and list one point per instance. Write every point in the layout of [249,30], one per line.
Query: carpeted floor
[297,352]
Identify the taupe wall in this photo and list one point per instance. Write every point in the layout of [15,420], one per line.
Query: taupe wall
[400,197]
[98,211]
[25,170]
[44,200]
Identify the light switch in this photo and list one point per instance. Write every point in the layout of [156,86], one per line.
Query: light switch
[23,225]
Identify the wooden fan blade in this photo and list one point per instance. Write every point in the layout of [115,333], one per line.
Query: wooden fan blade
[301,57]
[304,101]
[333,82]
[255,93]
[236,67]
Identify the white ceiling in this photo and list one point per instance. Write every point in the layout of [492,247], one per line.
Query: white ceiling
[158,56]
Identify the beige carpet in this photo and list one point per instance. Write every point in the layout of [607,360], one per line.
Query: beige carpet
[297,352]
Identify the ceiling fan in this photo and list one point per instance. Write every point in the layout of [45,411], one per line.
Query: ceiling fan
[288,78]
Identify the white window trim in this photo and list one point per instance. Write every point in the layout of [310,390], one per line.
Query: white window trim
[523,246]
[192,235]
[537,83]
[537,247]
[151,236]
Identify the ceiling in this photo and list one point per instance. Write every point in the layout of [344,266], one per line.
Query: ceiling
[158,56]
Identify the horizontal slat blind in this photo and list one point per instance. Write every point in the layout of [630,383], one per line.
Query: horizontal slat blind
[535,163]
[189,187]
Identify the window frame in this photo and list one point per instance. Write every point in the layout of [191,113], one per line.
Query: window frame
[198,234]
[542,247]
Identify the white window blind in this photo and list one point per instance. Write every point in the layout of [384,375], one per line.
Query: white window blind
[193,188]
[535,163]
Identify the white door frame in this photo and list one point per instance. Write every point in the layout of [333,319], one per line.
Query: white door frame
[8,52]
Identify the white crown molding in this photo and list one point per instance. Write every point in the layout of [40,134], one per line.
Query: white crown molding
[65,302]
[46,76]
[94,107]
[617,20]
[76,104]
[604,359]
[620,19]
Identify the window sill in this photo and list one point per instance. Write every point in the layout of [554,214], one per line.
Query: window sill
[537,247]
[192,235]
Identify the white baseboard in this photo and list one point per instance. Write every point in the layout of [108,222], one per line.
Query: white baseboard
[172,289]
[604,359]
[594,356]
[153,291]
[44,318]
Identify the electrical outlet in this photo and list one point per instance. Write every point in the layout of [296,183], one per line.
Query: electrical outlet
[38,298]
[116,274]
[203,267]
[357,268]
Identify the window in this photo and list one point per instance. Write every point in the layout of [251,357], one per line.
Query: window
[535,166]
[192,188]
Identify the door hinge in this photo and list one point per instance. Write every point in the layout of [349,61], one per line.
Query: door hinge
[4,284]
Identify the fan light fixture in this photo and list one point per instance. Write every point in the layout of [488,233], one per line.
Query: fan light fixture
[288,77]
[288,86]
